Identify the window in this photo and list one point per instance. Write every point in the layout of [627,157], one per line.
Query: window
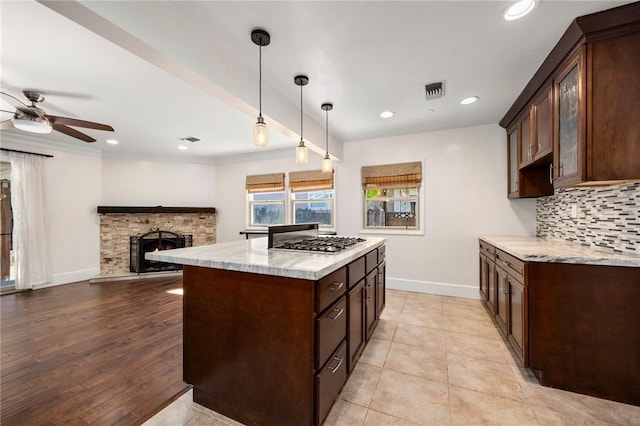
[313,206]
[265,194]
[266,208]
[392,196]
[312,197]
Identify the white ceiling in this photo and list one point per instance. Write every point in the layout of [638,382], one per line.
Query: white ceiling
[160,71]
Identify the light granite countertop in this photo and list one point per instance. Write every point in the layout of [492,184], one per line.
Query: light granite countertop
[253,256]
[536,249]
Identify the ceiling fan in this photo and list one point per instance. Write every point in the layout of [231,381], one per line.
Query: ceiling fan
[33,119]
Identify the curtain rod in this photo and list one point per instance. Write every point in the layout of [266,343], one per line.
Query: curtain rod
[26,152]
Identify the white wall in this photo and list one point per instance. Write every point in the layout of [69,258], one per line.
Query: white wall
[464,196]
[73,192]
[153,183]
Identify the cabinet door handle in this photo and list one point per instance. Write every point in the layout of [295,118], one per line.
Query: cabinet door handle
[550,173]
[339,312]
[336,286]
[529,151]
[332,368]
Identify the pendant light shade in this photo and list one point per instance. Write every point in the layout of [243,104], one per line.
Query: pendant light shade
[260,133]
[326,161]
[302,152]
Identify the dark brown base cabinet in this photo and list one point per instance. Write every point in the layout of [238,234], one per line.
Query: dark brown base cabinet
[268,350]
[573,325]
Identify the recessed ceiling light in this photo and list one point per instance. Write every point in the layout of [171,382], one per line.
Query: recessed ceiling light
[386,114]
[470,100]
[183,147]
[519,9]
[112,141]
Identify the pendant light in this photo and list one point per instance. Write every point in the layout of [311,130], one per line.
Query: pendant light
[302,152]
[326,161]
[260,132]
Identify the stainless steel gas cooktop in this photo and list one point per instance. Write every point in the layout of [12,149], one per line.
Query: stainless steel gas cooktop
[305,237]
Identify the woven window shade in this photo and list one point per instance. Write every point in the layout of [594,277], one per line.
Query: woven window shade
[401,175]
[265,183]
[313,180]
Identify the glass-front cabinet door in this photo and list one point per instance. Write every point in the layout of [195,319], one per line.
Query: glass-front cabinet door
[512,152]
[569,120]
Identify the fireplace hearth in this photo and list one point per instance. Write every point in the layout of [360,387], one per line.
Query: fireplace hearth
[155,240]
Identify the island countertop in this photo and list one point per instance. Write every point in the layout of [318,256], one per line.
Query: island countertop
[540,249]
[253,256]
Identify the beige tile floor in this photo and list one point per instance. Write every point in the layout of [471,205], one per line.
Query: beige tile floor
[436,360]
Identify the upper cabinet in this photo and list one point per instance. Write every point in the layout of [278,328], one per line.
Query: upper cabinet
[577,121]
[568,164]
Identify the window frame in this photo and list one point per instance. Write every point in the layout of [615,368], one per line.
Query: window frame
[251,202]
[419,198]
[293,202]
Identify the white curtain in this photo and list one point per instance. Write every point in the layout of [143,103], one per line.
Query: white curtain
[30,230]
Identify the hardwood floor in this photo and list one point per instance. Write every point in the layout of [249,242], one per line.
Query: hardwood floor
[103,354]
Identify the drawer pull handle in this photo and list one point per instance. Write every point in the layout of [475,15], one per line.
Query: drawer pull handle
[334,369]
[339,312]
[336,286]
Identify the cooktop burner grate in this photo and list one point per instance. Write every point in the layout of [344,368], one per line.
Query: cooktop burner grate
[321,244]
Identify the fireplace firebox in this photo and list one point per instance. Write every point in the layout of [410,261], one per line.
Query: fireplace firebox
[155,240]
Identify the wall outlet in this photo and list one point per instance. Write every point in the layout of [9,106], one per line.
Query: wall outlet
[574,211]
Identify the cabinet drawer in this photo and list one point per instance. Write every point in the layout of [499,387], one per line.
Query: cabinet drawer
[356,271]
[488,250]
[371,260]
[514,266]
[331,330]
[330,288]
[382,254]
[329,381]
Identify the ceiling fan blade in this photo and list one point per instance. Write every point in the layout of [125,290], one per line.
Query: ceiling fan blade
[17,103]
[72,132]
[6,125]
[78,123]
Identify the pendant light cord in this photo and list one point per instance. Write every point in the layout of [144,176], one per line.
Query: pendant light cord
[301,113]
[260,81]
[326,114]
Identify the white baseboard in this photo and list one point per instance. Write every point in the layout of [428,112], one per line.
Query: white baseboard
[70,277]
[442,289]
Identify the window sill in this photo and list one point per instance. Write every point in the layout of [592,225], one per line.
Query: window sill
[391,232]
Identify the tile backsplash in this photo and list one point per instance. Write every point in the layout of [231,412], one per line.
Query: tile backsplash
[605,216]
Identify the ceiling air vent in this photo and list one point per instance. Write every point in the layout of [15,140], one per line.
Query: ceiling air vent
[434,90]
[190,139]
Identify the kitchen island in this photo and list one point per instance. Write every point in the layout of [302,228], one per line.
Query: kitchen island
[270,336]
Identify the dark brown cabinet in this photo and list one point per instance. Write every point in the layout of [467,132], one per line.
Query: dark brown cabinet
[576,120]
[516,306]
[488,275]
[569,323]
[254,340]
[568,164]
[370,285]
[542,131]
[355,332]
[502,289]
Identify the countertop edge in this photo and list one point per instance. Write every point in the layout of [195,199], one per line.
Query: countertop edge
[586,256]
[285,270]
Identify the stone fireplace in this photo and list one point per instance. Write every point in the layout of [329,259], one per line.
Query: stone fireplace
[118,225]
[155,240]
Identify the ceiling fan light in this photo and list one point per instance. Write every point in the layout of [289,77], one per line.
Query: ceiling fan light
[32,124]
[260,133]
[327,167]
[302,153]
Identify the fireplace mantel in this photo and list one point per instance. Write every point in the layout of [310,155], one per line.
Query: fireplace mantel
[154,209]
